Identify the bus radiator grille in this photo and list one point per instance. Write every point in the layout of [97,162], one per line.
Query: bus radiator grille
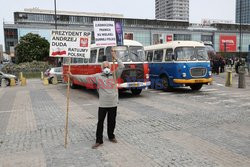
[198,72]
[132,75]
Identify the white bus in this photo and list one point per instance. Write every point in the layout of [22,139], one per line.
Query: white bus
[134,77]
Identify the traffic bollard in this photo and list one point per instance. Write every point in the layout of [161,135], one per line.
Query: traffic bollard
[42,77]
[45,81]
[229,79]
[12,82]
[54,80]
[20,76]
[241,81]
[3,83]
[23,82]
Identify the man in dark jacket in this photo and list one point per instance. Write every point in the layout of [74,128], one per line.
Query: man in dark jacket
[108,97]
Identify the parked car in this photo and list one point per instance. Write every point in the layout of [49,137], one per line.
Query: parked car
[7,78]
[52,72]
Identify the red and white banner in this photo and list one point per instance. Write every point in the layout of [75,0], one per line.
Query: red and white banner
[68,43]
[228,43]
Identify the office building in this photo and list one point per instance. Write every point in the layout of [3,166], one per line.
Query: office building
[172,9]
[243,7]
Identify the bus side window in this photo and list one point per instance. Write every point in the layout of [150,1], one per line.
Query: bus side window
[101,56]
[92,56]
[108,54]
[86,60]
[158,56]
[149,56]
[169,55]
[77,60]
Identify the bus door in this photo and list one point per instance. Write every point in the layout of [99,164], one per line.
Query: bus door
[149,59]
[169,66]
[157,66]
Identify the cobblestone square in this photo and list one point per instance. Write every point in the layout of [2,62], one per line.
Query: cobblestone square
[157,128]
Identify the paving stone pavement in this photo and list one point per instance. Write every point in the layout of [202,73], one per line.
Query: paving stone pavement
[155,129]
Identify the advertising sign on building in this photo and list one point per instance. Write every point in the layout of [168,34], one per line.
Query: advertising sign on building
[68,43]
[105,33]
[169,38]
[228,43]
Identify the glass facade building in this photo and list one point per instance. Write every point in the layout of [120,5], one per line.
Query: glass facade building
[243,7]
[146,31]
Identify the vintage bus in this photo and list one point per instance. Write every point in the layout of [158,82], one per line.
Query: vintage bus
[135,75]
[178,64]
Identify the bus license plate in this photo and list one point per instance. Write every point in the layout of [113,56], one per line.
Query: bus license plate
[133,85]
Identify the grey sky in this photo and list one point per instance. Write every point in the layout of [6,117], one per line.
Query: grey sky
[211,9]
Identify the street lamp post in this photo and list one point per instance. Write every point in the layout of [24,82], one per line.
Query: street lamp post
[55,15]
[240,28]
[241,68]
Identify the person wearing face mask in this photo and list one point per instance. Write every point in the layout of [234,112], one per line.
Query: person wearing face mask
[108,97]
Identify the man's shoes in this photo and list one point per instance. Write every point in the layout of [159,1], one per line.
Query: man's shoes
[96,145]
[113,140]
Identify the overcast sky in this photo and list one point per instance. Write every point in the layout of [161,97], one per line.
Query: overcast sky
[199,9]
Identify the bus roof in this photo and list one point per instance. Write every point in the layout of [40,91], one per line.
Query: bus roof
[173,44]
[126,43]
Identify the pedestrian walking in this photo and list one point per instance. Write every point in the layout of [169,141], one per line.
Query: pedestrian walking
[108,97]
[217,66]
[222,65]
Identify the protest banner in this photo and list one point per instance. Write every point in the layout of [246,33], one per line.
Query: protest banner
[72,44]
[105,34]
[69,43]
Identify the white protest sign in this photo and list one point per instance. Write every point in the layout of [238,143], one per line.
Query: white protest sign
[105,33]
[69,43]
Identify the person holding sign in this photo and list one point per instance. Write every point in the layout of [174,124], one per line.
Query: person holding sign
[108,97]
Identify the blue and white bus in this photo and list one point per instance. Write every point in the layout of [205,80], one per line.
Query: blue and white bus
[178,64]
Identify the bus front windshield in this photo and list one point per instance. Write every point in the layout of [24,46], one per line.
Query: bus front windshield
[127,54]
[191,54]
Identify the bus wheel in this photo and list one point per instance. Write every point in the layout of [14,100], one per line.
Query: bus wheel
[72,85]
[136,91]
[196,87]
[165,84]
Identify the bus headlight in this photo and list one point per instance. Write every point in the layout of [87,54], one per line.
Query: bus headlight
[210,73]
[184,75]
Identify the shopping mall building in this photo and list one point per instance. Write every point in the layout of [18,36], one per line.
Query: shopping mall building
[225,37]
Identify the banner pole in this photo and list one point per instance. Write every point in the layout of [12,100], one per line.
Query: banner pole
[114,73]
[67,112]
